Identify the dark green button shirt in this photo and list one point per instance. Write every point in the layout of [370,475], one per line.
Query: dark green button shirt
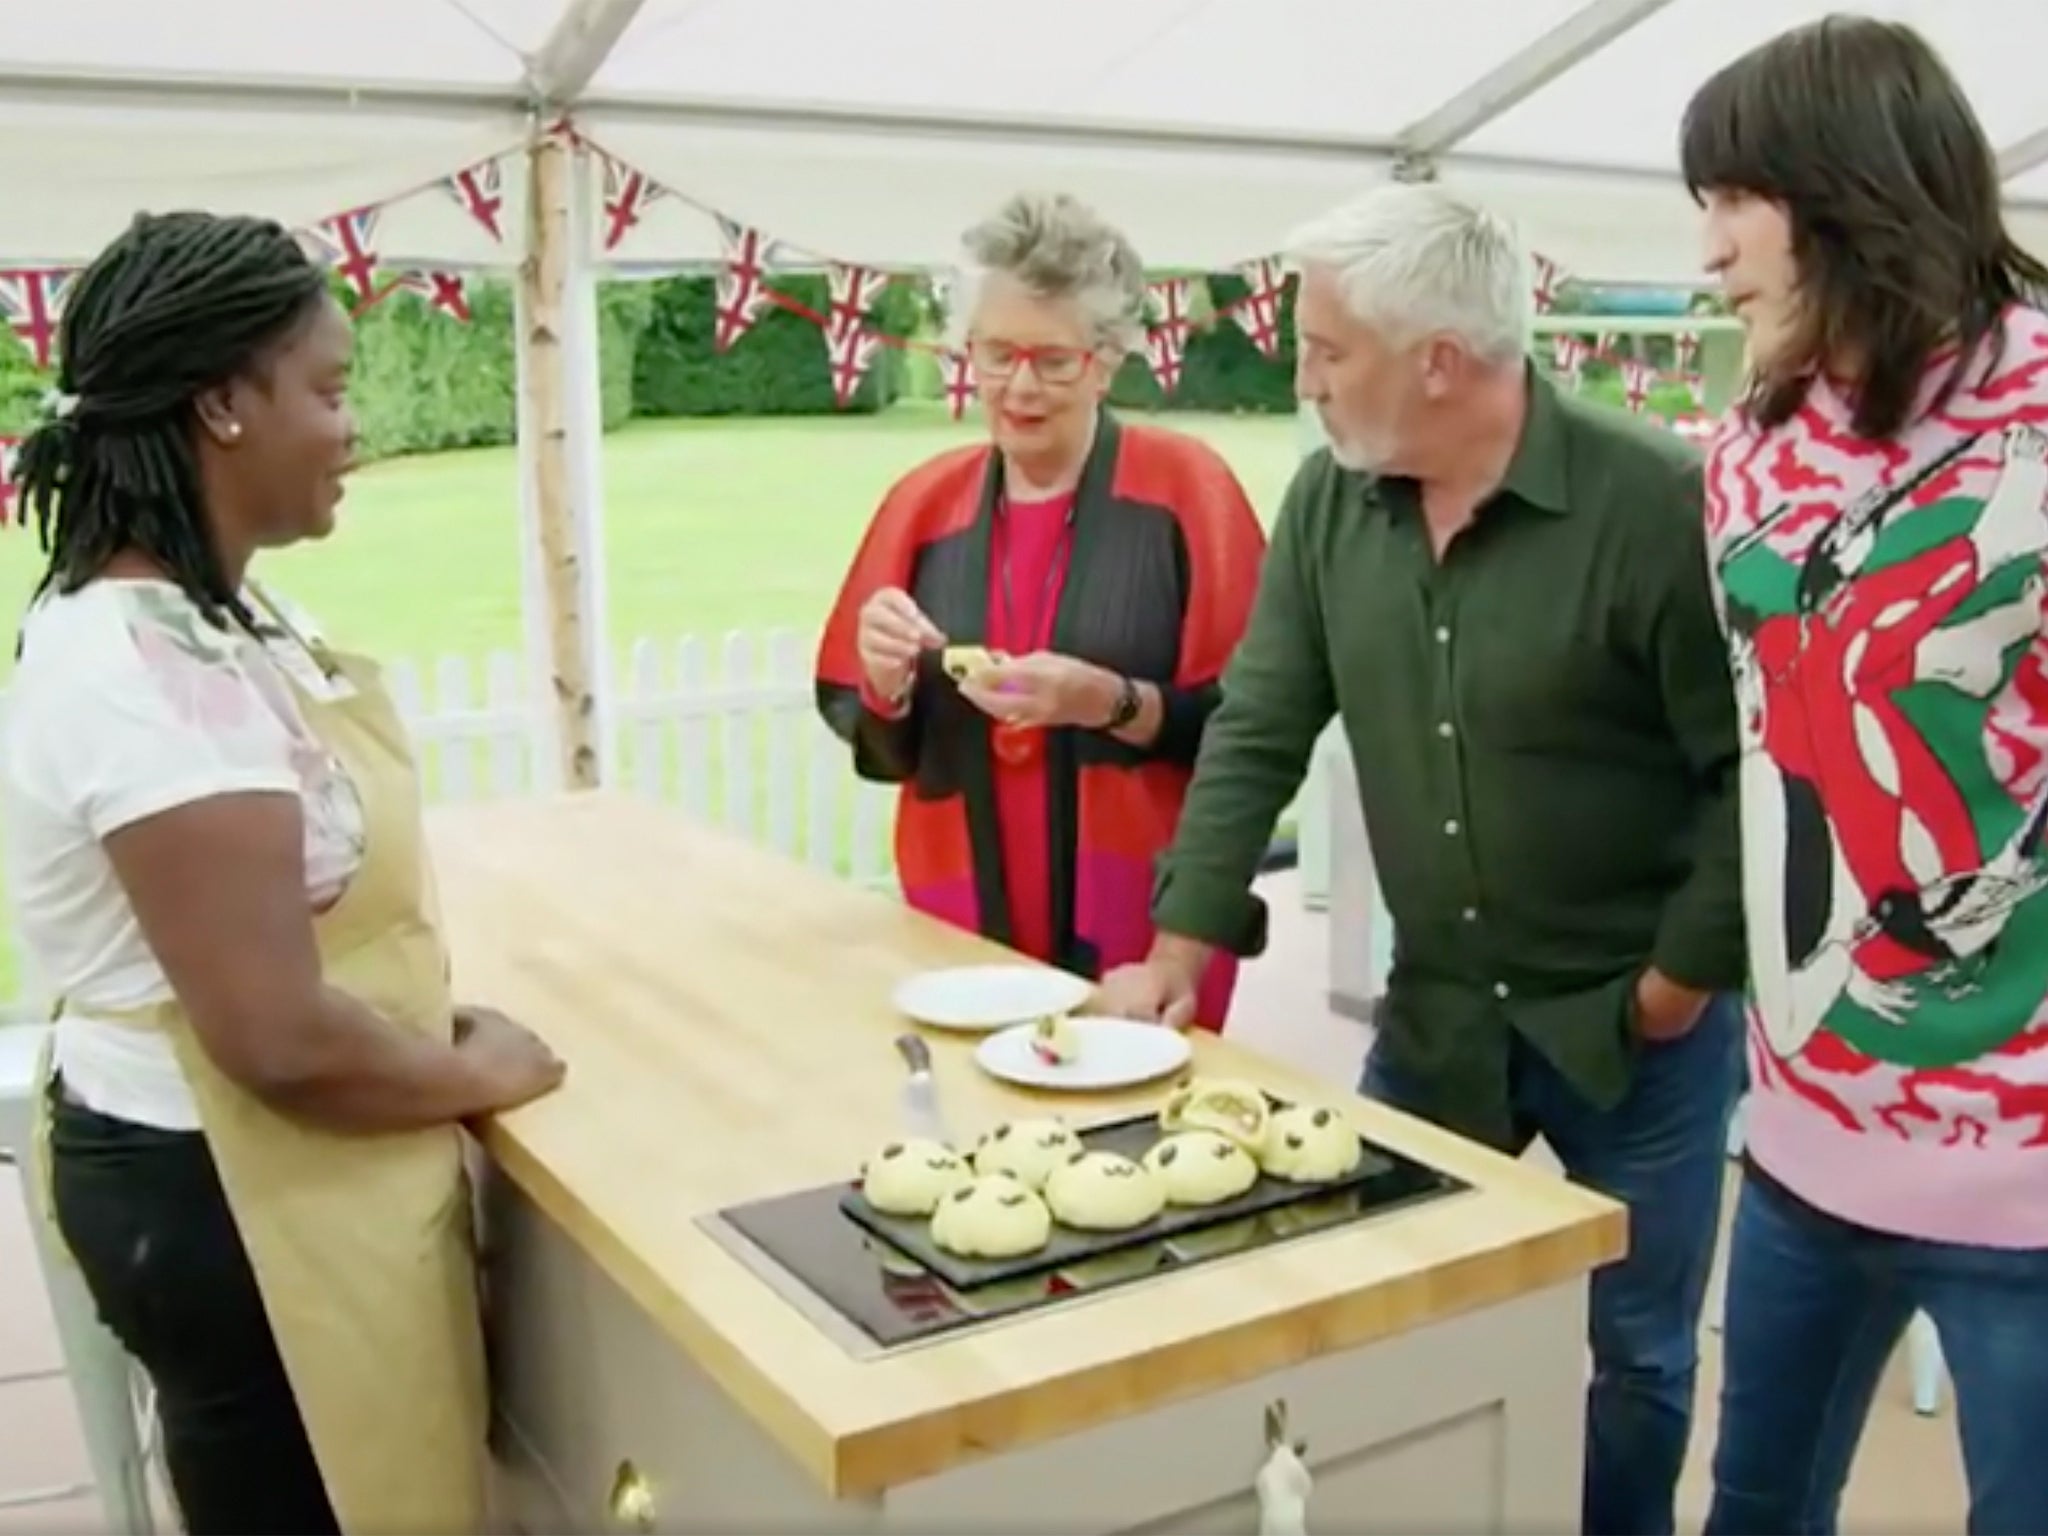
[1544,731]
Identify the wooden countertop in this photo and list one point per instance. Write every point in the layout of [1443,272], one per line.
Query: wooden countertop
[725,1017]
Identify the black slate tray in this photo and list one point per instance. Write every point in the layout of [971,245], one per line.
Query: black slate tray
[1068,1246]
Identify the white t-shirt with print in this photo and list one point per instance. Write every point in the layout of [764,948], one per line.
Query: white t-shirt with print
[125,703]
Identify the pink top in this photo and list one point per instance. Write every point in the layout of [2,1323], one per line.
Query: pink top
[1885,617]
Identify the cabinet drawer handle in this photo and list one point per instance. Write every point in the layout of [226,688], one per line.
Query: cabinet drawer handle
[1283,1483]
[632,1500]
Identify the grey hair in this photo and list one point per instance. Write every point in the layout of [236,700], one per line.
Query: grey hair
[1058,248]
[1415,258]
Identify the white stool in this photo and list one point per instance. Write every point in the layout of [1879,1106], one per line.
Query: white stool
[102,1377]
[1923,1343]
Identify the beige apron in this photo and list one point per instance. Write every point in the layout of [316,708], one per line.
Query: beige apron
[363,1245]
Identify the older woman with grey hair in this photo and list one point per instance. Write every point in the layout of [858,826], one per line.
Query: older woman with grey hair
[1030,637]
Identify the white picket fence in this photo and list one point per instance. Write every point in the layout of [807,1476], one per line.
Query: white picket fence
[728,730]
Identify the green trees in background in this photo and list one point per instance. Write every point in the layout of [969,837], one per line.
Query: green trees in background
[425,382]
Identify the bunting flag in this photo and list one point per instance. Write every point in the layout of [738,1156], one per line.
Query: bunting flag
[1165,352]
[960,388]
[848,354]
[10,492]
[33,304]
[1640,376]
[1258,312]
[627,193]
[1166,339]
[480,191]
[1636,378]
[849,344]
[1570,353]
[446,292]
[742,291]
[347,244]
[32,300]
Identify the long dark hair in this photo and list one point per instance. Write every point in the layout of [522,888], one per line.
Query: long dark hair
[1859,130]
[180,303]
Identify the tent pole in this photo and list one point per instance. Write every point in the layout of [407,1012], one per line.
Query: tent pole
[544,294]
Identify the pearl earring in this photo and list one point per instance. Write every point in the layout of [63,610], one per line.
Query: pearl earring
[234,430]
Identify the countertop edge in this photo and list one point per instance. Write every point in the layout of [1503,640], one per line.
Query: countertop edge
[869,1462]
[857,1461]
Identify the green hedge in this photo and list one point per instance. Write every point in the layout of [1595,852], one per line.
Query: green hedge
[1221,370]
[424,382]
[778,368]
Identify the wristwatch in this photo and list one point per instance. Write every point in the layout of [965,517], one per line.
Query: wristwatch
[1126,709]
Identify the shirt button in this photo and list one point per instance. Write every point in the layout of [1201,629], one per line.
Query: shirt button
[1443,729]
[1470,914]
[1450,829]
[1443,634]
[1500,989]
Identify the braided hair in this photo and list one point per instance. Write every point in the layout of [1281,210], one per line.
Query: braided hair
[179,304]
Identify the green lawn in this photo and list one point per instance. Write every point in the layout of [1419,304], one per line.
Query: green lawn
[710,526]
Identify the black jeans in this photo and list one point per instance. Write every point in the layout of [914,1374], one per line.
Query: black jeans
[143,1213]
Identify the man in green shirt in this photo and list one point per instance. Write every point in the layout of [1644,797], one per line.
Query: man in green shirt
[1503,593]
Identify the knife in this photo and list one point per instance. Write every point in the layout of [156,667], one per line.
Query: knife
[920,1092]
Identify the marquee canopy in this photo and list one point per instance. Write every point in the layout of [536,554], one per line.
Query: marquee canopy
[872,131]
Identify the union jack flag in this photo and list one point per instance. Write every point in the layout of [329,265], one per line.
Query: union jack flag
[33,303]
[1636,378]
[1570,354]
[849,344]
[853,292]
[1165,350]
[347,243]
[1170,303]
[1167,339]
[627,193]
[1549,278]
[742,290]
[444,291]
[852,351]
[1258,312]
[959,382]
[9,491]
[481,192]
[1685,347]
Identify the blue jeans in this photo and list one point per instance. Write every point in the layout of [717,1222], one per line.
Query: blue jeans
[1663,1152]
[1815,1309]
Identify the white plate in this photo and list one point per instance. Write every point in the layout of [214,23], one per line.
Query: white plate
[985,997]
[1110,1053]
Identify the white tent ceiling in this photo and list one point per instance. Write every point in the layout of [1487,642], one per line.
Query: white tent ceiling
[874,130]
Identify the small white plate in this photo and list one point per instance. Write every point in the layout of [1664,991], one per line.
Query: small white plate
[1109,1053]
[985,997]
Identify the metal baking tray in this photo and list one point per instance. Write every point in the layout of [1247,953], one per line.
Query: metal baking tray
[1068,1246]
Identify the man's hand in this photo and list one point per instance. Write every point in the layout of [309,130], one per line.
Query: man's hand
[1664,1010]
[1043,690]
[1159,989]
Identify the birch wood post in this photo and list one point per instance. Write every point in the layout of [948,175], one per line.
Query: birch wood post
[544,277]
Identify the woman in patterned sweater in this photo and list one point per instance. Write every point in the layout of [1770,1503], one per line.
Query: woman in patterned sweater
[1878,517]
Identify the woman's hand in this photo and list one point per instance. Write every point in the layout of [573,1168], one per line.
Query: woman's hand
[893,631]
[511,1064]
[1045,689]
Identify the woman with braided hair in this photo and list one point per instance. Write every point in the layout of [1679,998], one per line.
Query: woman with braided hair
[257,1081]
